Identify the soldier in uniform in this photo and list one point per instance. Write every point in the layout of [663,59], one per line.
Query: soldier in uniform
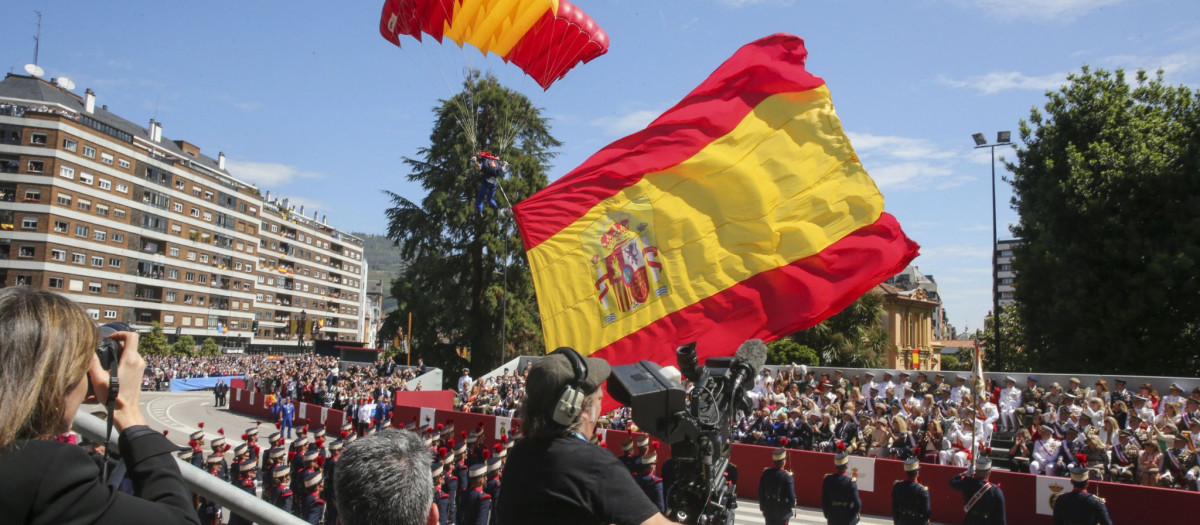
[650,484]
[280,494]
[1078,507]
[247,472]
[301,469]
[777,491]
[440,497]
[329,469]
[492,485]
[1177,462]
[451,483]
[839,494]
[475,505]
[1125,455]
[196,441]
[1031,401]
[627,458]
[983,501]
[208,510]
[921,387]
[910,499]
[313,508]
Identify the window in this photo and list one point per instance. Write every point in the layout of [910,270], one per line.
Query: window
[97,261]
[29,223]
[115,262]
[37,139]
[207,216]
[60,226]
[176,229]
[89,151]
[1006,280]
[85,205]
[81,230]
[122,188]
[195,212]
[189,277]
[85,178]
[78,258]
[110,314]
[171,297]
[237,265]
[64,199]
[203,278]
[93,312]
[118,237]
[173,274]
[70,145]
[119,213]
[100,235]
[102,209]
[56,282]
[208,195]
[173,251]
[180,185]
[196,191]
[64,171]
[168,319]
[187,321]
[32,195]
[58,255]
[75,285]
[105,184]
[191,256]
[178,207]
[25,252]
[106,158]
[123,163]
[94,287]
[1006,253]
[204,258]
[36,166]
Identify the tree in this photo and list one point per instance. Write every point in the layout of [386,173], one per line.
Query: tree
[463,263]
[1107,186]
[1016,355]
[185,345]
[950,362]
[154,342]
[209,347]
[786,351]
[854,337]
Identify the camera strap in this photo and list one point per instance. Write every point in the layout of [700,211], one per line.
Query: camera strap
[114,388]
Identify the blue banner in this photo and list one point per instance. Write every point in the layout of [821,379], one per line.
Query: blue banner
[199,383]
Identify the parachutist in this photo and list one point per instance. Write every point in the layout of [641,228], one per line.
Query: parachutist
[491,169]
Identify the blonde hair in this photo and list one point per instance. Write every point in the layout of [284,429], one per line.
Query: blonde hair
[46,349]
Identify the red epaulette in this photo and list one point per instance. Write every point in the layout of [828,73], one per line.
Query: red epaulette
[486,496]
[247,482]
[443,495]
[285,493]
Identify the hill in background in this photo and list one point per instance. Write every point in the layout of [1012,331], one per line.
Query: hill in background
[384,264]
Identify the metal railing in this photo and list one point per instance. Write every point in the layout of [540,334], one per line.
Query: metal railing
[198,481]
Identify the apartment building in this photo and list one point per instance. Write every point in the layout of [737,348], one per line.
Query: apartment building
[142,229]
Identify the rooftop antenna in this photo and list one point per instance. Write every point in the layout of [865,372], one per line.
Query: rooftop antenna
[37,39]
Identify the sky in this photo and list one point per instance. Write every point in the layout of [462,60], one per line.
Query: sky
[308,101]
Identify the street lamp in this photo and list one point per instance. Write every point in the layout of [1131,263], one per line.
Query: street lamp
[1003,138]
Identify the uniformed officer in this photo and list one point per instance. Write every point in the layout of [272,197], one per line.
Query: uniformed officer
[329,469]
[492,485]
[839,494]
[247,472]
[1078,507]
[910,499]
[627,458]
[301,468]
[313,508]
[196,440]
[441,498]
[475,505]
[209,510]
[983,501]
[652,485]
[280,494]
[777,491]
[452,483]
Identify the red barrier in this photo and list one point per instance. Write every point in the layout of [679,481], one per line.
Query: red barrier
[237,382]
[1126,503]
[436,399]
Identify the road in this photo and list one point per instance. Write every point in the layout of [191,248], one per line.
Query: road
[180,412]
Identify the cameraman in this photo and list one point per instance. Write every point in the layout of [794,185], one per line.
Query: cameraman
[553,474]
[49,361]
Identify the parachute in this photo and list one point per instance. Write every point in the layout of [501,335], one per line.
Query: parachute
[545,38]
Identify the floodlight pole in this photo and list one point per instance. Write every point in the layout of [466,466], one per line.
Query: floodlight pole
[982,143]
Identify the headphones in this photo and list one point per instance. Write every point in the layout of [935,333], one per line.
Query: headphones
[570,397]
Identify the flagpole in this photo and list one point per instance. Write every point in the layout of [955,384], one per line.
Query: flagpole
[977,371]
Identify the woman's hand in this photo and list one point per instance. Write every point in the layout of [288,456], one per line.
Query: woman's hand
[126,409]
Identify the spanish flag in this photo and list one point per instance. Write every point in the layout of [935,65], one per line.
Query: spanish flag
[740,213]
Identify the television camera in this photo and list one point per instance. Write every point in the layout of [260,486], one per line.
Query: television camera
[698,428]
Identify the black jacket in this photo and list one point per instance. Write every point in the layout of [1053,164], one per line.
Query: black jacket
[57,483]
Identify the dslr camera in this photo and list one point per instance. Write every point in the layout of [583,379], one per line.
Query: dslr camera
[109,350]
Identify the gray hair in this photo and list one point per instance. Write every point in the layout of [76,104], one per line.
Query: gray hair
[384,479]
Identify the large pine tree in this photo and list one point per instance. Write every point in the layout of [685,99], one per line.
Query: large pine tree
[458,277]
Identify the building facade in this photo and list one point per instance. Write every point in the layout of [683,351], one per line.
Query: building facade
[142,229]
[1006,278]
[912,278]
[908,320]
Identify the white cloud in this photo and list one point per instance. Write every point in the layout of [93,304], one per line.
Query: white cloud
[267,174]
[626,123]
[907,163]
[1042,10]
[1170,64]
[998,81]
[982,251]
[899,147]
[310,205]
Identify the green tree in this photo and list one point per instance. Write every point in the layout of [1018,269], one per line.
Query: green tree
[462,263]
[185,345]
[855,337]
[950,362]
[210,347]
[154,342]
[1107,185]
[786,351]
[1016,355]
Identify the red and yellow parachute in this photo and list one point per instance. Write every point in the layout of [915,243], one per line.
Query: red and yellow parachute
[545,38]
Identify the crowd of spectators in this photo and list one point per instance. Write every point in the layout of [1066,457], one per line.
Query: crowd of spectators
[499,395]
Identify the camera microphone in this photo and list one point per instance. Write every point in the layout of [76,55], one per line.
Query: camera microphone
[748,360]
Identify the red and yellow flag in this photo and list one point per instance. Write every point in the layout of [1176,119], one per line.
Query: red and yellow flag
[740,213]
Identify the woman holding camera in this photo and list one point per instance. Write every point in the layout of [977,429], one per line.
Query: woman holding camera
[48,362]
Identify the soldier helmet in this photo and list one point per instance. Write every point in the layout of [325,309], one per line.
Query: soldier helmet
[912,464]
[983,464]
[282,471]
[1079,474]
[841,459]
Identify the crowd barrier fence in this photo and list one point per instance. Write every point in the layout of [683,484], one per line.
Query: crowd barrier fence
[202,383]
[1126,503]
